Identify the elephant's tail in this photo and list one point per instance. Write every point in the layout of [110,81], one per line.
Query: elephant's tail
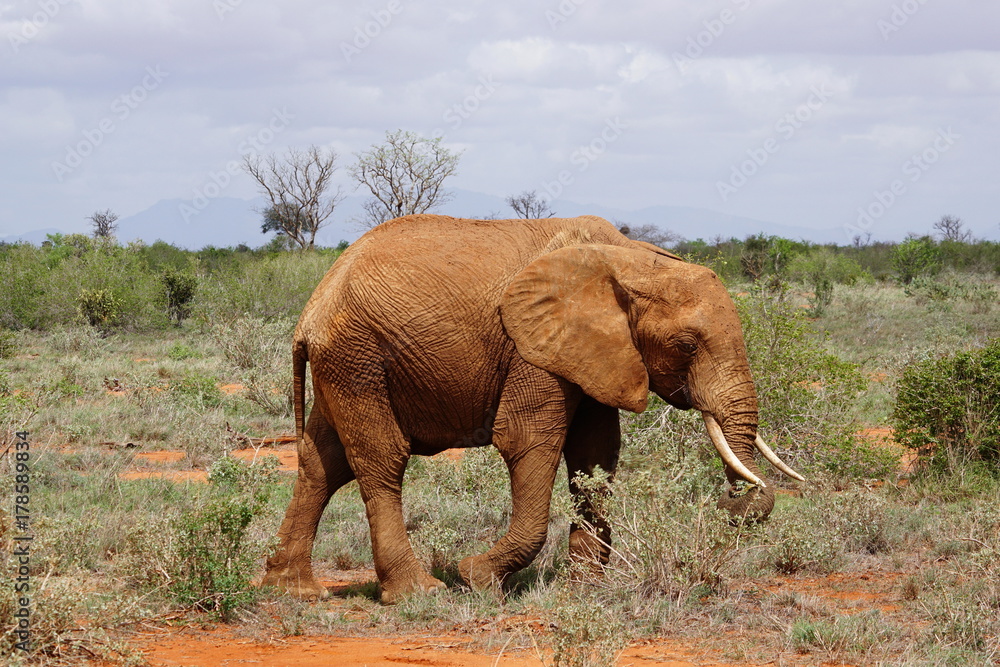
[300,355]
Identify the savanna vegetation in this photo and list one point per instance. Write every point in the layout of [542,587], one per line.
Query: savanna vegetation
[111,351]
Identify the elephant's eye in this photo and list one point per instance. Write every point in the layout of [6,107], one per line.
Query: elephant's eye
[687,345]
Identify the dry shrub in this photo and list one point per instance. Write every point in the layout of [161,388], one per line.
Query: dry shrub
[259,351]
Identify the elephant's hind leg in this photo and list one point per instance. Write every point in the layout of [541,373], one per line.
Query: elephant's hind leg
[380,481]
[323,469]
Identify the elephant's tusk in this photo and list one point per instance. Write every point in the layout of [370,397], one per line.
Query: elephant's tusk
[726,452]
[773,459]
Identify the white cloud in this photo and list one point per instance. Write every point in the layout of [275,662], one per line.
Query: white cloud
[687,120]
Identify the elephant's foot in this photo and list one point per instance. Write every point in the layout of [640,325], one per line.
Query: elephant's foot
[479,573]
[298,582]
[396,589]
[585,546]
[588,555]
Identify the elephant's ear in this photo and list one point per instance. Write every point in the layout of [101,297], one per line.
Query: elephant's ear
[567,313]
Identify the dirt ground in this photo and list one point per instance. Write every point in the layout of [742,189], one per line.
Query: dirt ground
[219,645]
[846,592]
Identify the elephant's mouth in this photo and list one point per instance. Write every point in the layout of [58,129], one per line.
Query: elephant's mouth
[680,397]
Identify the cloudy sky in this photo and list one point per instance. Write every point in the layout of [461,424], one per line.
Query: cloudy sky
[865,115]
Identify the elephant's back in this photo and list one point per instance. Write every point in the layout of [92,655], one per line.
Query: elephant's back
[422,296]
[423,266]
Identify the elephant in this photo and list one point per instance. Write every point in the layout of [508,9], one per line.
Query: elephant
[430,329]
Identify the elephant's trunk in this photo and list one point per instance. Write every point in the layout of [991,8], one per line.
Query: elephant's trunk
[748,497]
[726,396]
[729,408]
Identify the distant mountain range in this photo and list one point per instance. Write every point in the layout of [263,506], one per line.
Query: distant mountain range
[226,221]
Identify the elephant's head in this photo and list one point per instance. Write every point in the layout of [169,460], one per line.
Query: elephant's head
[619,321]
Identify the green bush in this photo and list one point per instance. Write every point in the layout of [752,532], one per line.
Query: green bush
[586,630]
[99,308]
[948,407]
[180,352]
[768,255]
[199,390]
[822,296]
[456,509]
[940,293]
[272,287]
[140,287]
[215,561]
[826,264]
[916,256]
[180,289]
[74,277]
[665,543]
[802,539]
[8,344]
[805,394]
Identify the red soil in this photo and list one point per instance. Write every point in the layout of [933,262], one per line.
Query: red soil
[845,592]
[883,437]
[161,457]
[173,475]
[288,460]
[219,646]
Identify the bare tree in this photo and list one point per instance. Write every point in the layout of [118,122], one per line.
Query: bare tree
[104,223]
[296,186]
[530,206]
[952,229]
[405,175]
[649,234]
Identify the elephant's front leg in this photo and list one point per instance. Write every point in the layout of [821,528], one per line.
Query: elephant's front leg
[594,440]
[323,469]
[530,438]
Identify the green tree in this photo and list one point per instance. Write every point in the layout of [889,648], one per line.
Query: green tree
[916,256]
